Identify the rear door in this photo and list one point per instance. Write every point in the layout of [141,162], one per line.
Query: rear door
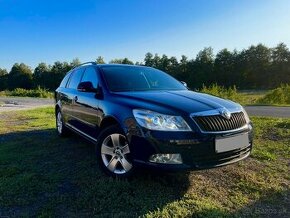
[72,96]
[62,96]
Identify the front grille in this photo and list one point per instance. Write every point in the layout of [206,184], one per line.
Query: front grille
[217,123]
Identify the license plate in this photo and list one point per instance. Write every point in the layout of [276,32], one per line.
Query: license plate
[231,143]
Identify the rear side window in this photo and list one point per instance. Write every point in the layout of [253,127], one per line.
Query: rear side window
[90,75]
[76,78]
[64,81]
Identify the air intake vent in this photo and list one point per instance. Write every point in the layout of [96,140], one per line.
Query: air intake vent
[217,123]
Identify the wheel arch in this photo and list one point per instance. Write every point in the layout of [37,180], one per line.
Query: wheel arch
[109,121]
[57,107]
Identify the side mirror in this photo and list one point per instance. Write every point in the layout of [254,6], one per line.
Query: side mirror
[86,87]
[184,83]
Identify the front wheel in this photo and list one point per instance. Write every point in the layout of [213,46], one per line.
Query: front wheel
[114,154]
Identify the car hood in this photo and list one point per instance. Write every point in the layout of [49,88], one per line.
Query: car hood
[182,101]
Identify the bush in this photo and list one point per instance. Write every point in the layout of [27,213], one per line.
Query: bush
[280,95]
[39,93]
[220,91]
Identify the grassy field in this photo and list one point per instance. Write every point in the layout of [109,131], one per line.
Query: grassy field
[46,176]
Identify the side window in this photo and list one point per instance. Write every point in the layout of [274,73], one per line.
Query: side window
[64,81]
[90,75]
[76,78]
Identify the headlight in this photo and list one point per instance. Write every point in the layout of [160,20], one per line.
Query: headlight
[246,115]
[155,121]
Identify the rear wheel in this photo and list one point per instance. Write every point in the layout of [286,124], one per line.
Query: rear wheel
[114,154]
[60,127]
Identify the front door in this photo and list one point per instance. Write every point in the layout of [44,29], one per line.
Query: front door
[86,105]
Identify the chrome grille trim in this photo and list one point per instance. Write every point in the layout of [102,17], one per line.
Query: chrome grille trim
[213,122]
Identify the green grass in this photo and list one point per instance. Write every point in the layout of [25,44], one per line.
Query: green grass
[46,176]
[38,92]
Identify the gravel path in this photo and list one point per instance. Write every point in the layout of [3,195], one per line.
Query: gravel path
[22,103]
[268,111]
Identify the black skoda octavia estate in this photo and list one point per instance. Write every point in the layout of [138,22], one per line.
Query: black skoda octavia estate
[141,116]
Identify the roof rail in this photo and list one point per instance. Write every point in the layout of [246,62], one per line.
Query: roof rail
[86,63]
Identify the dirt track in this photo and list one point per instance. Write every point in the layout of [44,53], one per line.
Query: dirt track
[268,111]
[22,103]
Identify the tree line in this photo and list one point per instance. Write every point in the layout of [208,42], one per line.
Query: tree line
[257,67]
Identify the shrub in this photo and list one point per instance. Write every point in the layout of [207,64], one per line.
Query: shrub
[280,95]
[38,92]
[220,91]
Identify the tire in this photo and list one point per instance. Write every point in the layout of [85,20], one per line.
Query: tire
[61,129]
[113,153]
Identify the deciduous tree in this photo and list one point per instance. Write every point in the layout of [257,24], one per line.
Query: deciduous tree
[20,76]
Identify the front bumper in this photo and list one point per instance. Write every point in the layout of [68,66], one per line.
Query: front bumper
[196,149]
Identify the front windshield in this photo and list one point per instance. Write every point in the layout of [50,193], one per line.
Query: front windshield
[137,78]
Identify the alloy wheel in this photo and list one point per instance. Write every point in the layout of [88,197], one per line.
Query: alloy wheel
[115,153]
[59,122]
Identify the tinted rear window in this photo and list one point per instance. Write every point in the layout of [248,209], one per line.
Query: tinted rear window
[64,81]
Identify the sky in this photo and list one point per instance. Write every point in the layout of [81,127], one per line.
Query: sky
[34,31]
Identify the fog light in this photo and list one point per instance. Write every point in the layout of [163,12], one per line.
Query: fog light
[166,158]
